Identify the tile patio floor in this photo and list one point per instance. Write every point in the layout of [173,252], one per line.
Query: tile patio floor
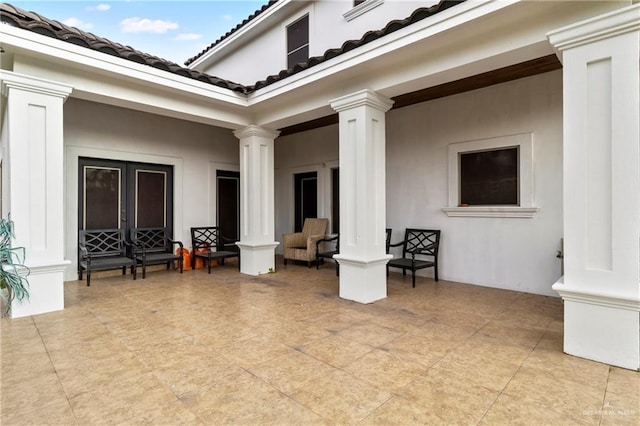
[284,349]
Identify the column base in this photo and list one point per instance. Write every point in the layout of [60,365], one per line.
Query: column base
[46,291]
[363,281]
[601,327]
[257,259]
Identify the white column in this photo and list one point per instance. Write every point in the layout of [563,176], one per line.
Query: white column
[601,90]
[32,153]
[257,242]
[362,255]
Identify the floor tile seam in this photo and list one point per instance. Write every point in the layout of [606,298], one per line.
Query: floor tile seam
[281,393]
[178,399]
[59,381]
[604,395]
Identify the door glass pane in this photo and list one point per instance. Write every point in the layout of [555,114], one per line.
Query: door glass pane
[335,200]
[228,204]
[151,190]
[101,197]
[306,198]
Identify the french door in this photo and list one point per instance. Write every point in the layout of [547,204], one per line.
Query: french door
[124,195]
[306,197]
[228,204]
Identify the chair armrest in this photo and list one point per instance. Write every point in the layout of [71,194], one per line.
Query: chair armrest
[134,255]
[295,239]
[312,245]
[179,243]
[84,253]
[396,244]
[325,240]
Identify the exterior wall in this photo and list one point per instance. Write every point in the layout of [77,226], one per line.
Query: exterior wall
[195,151]
[510,253]
[328,29]
[315,150]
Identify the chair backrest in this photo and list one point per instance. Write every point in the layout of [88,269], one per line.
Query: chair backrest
[207,237]
[422,241]
[388,242]
[315,226]
[153,239]
[103,242]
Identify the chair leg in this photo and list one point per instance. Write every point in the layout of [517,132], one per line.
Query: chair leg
[285,261]
[88,278]
[436,271]
[144,271]
[317,263]
[135,271]
[181,262]
[80,275]
[124,270]
[413,277]
[209,264]
[337,269]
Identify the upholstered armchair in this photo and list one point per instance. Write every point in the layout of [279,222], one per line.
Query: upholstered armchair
[302,245]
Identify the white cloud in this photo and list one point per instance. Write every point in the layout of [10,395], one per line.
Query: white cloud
[75,22]
[227,17]
[145,25]
[188,37]
[102,7]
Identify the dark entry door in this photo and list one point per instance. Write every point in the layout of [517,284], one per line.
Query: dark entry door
[306,197]
[228,203]
[119,194]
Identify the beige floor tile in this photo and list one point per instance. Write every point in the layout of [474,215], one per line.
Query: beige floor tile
[624,382]
[385,370]
[284,349]
[621,408]
[419,349]
[253,350]
[35,393]
[539,388]
[341,398]
[399,411]
[57,413]
[491,373]
[336,350]
[120,401]
[562,366]
[291,371]
[370,334]
[234,400]
[450,397]
[511,411]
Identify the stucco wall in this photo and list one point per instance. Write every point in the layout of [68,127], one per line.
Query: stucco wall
[194,150]
[328,29]
[510,253]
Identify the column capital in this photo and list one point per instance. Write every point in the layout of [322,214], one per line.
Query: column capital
[253,130]
[364,97]
[598,28]
[12,80]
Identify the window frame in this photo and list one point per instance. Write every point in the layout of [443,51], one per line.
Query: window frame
[297,49]
[526,207]
[360,9]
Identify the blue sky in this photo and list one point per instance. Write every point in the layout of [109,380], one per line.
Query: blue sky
[174,30]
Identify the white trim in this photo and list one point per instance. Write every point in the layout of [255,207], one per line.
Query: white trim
[491,211]
[598,28]
[328,188]
[361,9]
[526,207]
[608,300]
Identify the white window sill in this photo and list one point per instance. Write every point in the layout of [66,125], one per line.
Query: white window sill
[361,8]
[491,211]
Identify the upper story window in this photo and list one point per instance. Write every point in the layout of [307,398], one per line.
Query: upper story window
[357,2]
[298,42]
